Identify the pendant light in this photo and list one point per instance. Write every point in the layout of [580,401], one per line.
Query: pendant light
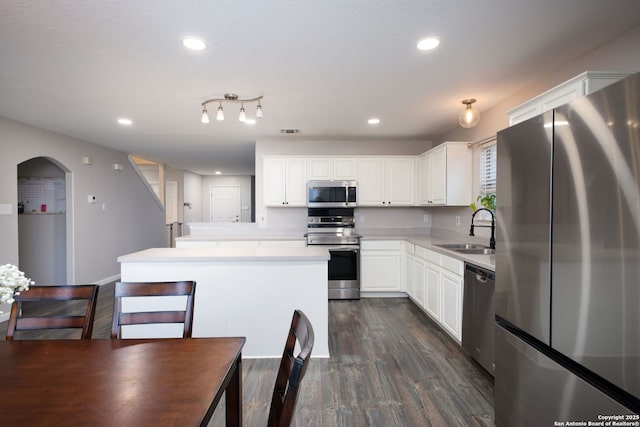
[469,117]
[243,116]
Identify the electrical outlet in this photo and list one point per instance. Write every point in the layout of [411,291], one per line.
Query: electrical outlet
[457,220]
[361,218]
[427,218]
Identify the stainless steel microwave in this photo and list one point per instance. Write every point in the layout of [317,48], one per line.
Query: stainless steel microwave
[332,194]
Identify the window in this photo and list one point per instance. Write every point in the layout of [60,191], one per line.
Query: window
[488,163]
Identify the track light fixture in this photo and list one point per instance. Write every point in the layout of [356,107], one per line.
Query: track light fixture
[231,97]
[468,117]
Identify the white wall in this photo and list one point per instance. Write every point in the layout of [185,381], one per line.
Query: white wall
[193,196]
[297,217]
[131,220]
[621,54]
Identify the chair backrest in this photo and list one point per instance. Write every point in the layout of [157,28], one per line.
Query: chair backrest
[21,321]
[291,371]
[152,289]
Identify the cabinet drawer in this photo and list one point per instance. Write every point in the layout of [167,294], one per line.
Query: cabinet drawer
[380,245]
[421,252]
[453,265]
[432,256]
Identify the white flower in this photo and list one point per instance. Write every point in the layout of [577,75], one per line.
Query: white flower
[12,281]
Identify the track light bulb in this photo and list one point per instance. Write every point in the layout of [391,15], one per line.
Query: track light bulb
[243,115]
[205,116]
[220,114]
[259,111]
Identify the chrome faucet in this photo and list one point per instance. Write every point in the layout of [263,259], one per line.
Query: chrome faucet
[492,241]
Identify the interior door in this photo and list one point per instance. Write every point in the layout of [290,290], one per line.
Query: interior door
[225,203]
[171,201]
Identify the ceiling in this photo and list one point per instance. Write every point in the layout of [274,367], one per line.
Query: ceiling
[324,67]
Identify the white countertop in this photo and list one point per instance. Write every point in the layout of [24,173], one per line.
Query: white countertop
[429,239]
[260,253]
[424,237]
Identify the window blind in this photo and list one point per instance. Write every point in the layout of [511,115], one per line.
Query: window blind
[488,163]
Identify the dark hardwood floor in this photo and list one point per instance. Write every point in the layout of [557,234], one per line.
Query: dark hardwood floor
[389,366]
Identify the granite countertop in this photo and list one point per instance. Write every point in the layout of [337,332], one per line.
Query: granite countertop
[309,253]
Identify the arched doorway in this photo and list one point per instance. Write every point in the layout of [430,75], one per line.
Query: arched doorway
[44,226]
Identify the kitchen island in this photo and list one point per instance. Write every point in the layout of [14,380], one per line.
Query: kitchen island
[240,291]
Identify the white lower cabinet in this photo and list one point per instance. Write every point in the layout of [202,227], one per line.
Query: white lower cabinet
[415,278]
[434,283]
[451,287]
[432,291]
[380,265]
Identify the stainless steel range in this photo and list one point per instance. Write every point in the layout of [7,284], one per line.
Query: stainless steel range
[334,228]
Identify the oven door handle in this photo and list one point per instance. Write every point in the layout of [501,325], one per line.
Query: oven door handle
[343,249]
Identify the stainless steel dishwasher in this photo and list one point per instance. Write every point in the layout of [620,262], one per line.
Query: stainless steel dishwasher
[478,315]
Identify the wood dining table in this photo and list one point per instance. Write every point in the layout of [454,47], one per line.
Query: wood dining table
[132,382]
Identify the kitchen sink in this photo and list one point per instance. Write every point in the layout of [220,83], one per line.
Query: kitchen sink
[477,251]
[462,246]
[468,248]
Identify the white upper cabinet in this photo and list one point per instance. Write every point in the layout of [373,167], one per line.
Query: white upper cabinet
[445,175]
[371,181]
[285,181]
[320,169]
[386,181]
[345,169]
[582,84]
[337,169]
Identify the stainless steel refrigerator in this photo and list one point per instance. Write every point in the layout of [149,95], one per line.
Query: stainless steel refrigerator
[568,263]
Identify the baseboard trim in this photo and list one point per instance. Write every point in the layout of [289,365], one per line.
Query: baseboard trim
[378,294]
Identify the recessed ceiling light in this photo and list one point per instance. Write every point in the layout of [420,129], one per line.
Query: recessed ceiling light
[218,173]
[428,43]
[373,121]
[194,43]
[125,122]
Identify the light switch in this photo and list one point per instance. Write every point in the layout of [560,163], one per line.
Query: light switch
[6,209]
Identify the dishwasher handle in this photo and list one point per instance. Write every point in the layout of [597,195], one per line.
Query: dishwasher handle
[482,275]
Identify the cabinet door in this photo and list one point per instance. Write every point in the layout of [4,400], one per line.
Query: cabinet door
[399,179]
[345,169]
[274,182]
[380,270]
[439,176]
[452,304]
[432,291]
[424,185]
[411,277]
[320,169]
[296,182]
[371,182]
[419,281]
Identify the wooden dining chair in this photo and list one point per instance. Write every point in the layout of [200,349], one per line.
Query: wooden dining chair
[21,319]
[291,371]
[152,289]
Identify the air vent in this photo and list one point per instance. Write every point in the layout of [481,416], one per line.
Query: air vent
[288,131]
